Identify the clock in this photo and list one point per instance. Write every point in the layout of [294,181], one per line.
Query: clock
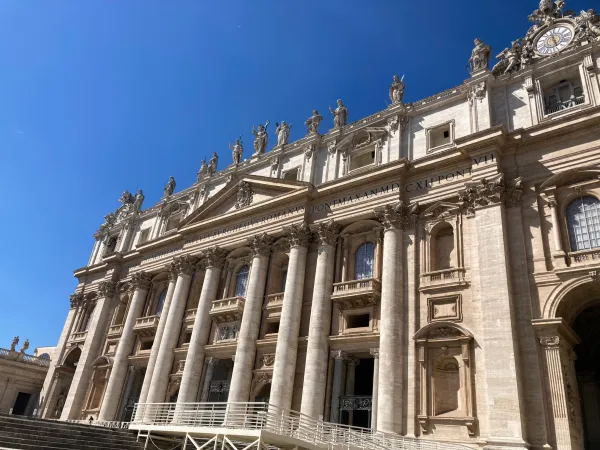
[553,40]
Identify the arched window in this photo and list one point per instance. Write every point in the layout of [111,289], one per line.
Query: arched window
[241,281]
[44,356]
[365,257]
[443,243]
[583,221]
[161,302]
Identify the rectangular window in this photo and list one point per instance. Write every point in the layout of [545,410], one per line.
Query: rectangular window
[358,321]
[565,94]
[362,160]
[272,328]
[146,345]
[440,136]
[172,223]
[144,235]
[291,175]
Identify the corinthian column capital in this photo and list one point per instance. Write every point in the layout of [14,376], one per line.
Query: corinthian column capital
[298,235]
[184,264]
[260,244]
[141,280]
[482,193]
[326,233]
[76,300]
[107,289]
[397,216]
[215,257]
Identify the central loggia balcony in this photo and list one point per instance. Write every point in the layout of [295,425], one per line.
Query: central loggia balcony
[274,301]
[357,293]
[227,309]
[190,318]
[78,337]
[146,326]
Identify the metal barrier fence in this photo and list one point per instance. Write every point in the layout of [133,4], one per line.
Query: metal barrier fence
[262,416]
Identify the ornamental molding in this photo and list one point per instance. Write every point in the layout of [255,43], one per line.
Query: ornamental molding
[76,300]
[298,235]
[244,195]
[327,233]
[550,341]
[107,289]
[512,195]
[339,355]
[480,194]
[215,257]
[140,280]
[131,207]
[260,244]
[184,264]
[397,216]
[476,92]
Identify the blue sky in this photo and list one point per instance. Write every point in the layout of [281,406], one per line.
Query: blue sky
[101,96]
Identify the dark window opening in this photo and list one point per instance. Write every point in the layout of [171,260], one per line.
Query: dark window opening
[358,321]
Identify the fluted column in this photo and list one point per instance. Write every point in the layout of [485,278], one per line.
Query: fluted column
[317,352]
[389,405]
[286,351]
[140,283]
[184,266]
[241,378]
[162,322]
[375,395]
[91,348]
[190,380]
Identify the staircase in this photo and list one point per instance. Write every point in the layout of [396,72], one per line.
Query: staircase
[23,433]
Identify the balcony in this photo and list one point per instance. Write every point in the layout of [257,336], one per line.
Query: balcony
[443,279]
[567,104]
[78,337]
[274,302]
[227,309]
[115,331]
[190,318]
[583,257]
[146,326]
[357,293]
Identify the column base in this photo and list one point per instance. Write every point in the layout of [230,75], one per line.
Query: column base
[503,443]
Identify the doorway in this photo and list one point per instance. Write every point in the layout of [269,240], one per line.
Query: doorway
[587,368]
[21,403]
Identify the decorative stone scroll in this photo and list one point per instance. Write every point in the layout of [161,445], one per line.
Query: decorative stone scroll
[327,233]
[141,280]
[260,244]
[513,194]
[476,92]
[298,235]
[397,216]
[480,194]
[215,257]
[107,289]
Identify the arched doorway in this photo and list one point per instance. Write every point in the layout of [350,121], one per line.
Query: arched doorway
[587,367]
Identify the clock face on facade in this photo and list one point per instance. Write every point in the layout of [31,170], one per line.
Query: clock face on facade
[554,40]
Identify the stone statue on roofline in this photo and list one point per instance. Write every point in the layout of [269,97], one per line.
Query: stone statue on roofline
[14,343]
[283,133]
[313,122]
[25,346]
[261,139]
[169,188]
[212,164]
[480,56]
[138,201]
[340,115]
[203,169]
[126,197]
[397,90]
[237,151]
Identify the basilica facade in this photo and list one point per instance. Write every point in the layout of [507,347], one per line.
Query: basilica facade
[432,270]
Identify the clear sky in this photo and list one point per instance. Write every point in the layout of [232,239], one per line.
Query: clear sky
[101,96]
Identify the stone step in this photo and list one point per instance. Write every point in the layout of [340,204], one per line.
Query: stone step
[38,434]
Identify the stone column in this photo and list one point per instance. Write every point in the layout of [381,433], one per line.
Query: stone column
[389,405]
[210,364]
[184,266]
[315,371]
[91,348]
[192,372]
[350,380]
[556,342]
[338,383]
[49,392]
[286,351]
[140,283]
[241,379]
[159,334]
[375,353]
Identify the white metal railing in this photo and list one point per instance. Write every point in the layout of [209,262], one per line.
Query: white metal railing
[560,106]
[101,423]
[283,422]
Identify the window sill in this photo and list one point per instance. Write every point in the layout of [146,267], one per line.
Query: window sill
[440,147]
